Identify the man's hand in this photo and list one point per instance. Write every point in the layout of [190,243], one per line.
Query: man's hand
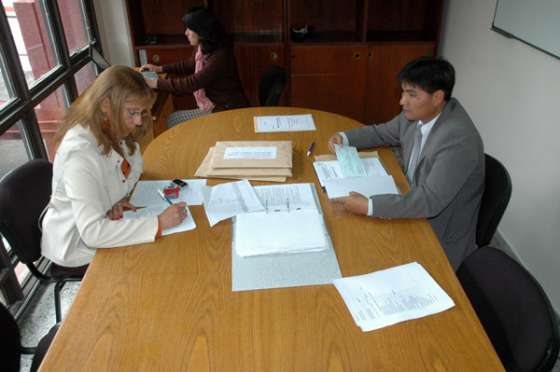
[150,67]
[336,139]
[355,203]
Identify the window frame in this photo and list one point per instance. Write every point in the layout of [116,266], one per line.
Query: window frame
[21,107]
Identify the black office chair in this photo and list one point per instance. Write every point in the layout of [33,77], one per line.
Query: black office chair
[24,193]
[497,192]
[11,350]
[271,85]
[513,309]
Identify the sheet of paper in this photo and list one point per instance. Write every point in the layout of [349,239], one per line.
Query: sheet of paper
[330,169]
[390,296]
[290,197]
[284,123]
[367,186]
[145,192]
[250,153]
[150,74]
[350,163]
[230,199]
[155,210]
[243,159]
[264,233]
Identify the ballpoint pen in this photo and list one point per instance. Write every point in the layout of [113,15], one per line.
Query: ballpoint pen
[310,148]
[162,195]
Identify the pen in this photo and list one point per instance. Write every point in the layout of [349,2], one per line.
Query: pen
[310,148]
[162,195]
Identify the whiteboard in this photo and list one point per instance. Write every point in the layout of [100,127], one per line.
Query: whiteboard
[535,22]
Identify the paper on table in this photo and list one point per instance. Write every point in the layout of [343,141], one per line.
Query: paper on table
[296,196]
[155,210]
[250,153]
[367,186]
[391,296]
[145,192]
[263,233]
[229,199]
[330,169]
[350,163]
[284,123]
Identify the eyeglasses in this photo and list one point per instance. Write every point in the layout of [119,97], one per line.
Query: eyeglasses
[133,113]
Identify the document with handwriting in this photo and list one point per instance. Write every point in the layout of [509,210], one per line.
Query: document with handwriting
[391,296]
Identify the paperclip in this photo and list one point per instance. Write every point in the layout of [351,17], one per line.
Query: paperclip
[266,206]
[288,204]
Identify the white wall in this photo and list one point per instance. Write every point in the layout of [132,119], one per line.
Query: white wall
[115,35]
[512,92]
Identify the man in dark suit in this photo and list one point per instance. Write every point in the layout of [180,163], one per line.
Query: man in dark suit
[443,158]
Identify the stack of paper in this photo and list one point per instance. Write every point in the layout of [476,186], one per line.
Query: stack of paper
[254,160]
[290,223]
[391,296]
[340,177]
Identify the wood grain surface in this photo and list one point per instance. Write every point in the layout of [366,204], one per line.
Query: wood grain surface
[168,306]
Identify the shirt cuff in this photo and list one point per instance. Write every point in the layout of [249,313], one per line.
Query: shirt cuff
[370,207]
[345,141]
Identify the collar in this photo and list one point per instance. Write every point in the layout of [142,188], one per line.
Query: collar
[425,128]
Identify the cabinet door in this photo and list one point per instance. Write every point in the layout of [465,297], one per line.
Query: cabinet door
[252,60]
[383,90]
[329,78]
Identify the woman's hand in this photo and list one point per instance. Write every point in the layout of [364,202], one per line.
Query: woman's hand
[116,213]
[150,67]
[336,139]
[172,216]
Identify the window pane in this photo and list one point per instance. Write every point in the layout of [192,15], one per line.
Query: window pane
[74,23]
[50,113]
[12,150]
[5,89]
[85,77]
[32,37]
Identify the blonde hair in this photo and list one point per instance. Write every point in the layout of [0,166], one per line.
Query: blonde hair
[118,84]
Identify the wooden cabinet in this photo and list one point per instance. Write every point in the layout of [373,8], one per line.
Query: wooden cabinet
[346,62]
[330,78]
[385,60]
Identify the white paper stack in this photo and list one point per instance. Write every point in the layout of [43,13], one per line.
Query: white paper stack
[284,123]
[391,296]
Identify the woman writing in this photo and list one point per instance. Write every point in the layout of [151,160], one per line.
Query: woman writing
[96,166]
[211,72]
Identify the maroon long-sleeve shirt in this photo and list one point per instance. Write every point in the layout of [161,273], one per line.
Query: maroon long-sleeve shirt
[219,78]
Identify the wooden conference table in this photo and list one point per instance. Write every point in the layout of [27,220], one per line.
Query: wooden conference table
[168,306]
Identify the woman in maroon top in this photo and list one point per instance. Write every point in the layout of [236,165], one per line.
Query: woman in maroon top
[211,72]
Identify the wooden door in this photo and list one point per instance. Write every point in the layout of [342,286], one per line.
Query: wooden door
[383,92]
[252,59]
[330,78]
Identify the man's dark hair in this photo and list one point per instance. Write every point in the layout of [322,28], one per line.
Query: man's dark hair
[209,29]
[430,74]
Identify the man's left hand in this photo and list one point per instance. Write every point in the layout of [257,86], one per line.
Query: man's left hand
[355,203]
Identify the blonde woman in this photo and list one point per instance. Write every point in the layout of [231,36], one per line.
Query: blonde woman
[97,164]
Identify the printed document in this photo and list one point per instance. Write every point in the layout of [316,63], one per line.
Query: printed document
[230,199]
[391,296]
[284,123]
[367,186]
[250,153]
[330,169]
[350,163]
[290,197]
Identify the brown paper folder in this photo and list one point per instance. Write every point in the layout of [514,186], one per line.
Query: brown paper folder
[283,155]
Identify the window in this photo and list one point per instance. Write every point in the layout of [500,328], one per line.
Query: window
[33,37]
[50,113]
[74,22]
[85,77]
[45,62]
